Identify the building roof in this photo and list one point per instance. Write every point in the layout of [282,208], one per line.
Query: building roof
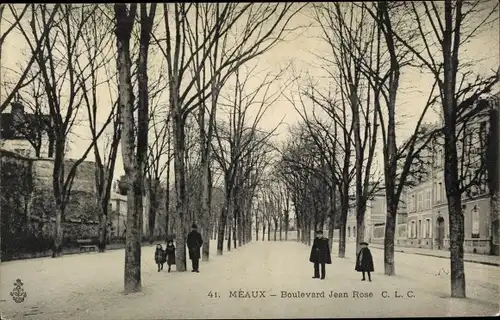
[28,128]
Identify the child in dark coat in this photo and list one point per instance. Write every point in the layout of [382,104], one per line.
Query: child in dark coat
[170,253]
[364,261]
[159,257]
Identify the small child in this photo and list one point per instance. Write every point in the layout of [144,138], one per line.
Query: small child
[364,261]
[170,253]
[159,257]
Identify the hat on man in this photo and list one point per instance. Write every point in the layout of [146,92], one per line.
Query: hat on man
[319,232]
[364,243]
[194,226]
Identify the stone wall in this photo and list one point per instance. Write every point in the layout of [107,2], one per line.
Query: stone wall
[16,186]
[28,208]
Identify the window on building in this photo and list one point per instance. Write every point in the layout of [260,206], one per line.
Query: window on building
[438,192]
[475,222]
[434,192]
[428,199]
[442,192]
[414,199]
[483,134]
[348,232]
[354,231]
[413,231]
[428,228]
[420,201]
[419,232]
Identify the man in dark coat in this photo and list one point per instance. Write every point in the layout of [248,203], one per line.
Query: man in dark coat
[194,243]
[364,261]
[320,254]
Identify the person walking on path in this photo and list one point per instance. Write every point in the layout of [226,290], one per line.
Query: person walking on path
[159,257]
[364,261]
[170,253]
[320,255]
[194,243]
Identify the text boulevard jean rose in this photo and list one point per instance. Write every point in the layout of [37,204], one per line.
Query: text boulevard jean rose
[340,295]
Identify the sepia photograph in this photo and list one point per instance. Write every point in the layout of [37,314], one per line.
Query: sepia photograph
[271,160]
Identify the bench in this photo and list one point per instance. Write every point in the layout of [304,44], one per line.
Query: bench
[86,245]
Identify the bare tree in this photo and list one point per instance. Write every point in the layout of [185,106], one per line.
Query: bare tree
[159,159]
[240,139]
[134,161]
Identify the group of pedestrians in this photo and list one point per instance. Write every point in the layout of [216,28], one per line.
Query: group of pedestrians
[194,243]
[320,256]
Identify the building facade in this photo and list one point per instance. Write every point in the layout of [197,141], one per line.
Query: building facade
[428,219]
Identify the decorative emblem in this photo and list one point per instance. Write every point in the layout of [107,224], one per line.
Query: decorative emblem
[18,294]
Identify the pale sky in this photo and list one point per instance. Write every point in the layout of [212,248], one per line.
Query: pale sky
[411,97]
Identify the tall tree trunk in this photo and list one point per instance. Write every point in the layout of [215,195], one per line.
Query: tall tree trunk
[331,220]
[103,226]
[58,195]
[180,186]
[287,223]
[342,235]
[236,216]
[360,210]
[243,224]
[206,200]
[153,209]
[390,231]
[124,24]
[268,229]
[133,230]
[456,218]
[275,228]
[222,226]
[281,229]
[229,232]
[236,230]
[263,229]
[57,245]
[256,229]
[453,193]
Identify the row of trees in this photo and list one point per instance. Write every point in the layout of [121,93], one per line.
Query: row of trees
[178,67]
[329,161]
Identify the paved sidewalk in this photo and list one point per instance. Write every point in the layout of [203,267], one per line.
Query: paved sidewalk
[468,257]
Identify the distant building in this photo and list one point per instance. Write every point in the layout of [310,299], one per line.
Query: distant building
[375,217]
[24,133]
[118,215]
